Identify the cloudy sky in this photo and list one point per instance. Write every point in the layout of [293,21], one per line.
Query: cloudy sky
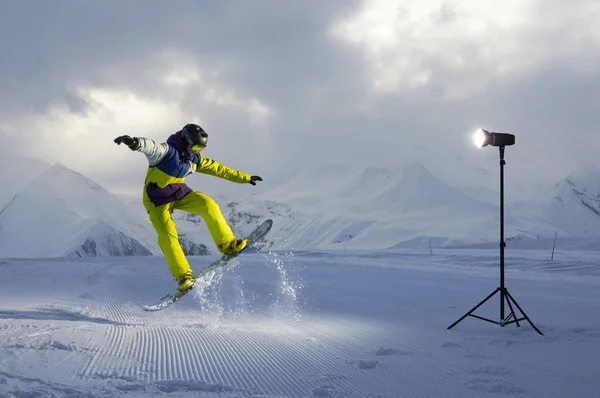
[281,86]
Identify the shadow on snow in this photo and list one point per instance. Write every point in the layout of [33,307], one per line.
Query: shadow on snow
[58,315]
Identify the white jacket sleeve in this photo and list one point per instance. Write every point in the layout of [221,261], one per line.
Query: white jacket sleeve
[153,151]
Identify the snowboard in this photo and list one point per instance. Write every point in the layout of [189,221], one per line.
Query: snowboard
[172,297]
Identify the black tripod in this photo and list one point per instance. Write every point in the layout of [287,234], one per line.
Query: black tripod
[504,294]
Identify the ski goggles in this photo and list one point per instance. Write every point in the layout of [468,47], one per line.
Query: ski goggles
[197,148]
[194,147]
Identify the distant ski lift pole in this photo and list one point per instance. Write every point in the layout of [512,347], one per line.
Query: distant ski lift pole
[553,245]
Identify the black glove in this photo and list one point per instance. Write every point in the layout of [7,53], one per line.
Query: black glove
[132,143]
[253,179]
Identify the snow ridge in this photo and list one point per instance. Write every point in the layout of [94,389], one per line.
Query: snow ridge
[63,213]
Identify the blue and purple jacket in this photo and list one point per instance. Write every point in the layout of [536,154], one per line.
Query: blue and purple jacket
[170,163]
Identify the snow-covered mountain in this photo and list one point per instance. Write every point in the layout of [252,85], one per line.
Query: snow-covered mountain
[417,189]
[335,207]
[575,204]
[63,213]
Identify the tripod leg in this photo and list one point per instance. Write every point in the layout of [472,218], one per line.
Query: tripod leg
[474,308]
[512,311]
[523,312]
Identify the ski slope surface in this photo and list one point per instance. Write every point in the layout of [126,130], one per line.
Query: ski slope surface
[301,324]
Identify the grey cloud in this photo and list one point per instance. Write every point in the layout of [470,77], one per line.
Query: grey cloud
[326,110]
[49,45]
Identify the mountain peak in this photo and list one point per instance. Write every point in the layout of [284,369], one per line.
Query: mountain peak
[586,175]
[417,169]
[58,166]
[64,206]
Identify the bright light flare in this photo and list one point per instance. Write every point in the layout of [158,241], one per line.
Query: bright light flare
[480,138]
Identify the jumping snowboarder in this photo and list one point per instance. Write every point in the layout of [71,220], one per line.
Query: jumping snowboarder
[165,191]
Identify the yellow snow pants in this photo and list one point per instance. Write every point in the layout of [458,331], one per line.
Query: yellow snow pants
[168,239]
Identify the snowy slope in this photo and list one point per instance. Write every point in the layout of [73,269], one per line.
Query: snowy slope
[64,213]
[307,324]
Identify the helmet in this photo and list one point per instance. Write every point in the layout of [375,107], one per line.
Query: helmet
[194,136]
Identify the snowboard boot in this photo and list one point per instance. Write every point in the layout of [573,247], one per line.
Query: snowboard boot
[185,284]
[233,248]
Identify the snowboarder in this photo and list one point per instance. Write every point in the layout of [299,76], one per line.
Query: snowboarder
[165,191]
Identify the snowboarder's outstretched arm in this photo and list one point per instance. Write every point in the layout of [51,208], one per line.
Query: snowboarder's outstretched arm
[214,168]
[153,151]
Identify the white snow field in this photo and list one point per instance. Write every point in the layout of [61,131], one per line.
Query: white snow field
[302,324]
